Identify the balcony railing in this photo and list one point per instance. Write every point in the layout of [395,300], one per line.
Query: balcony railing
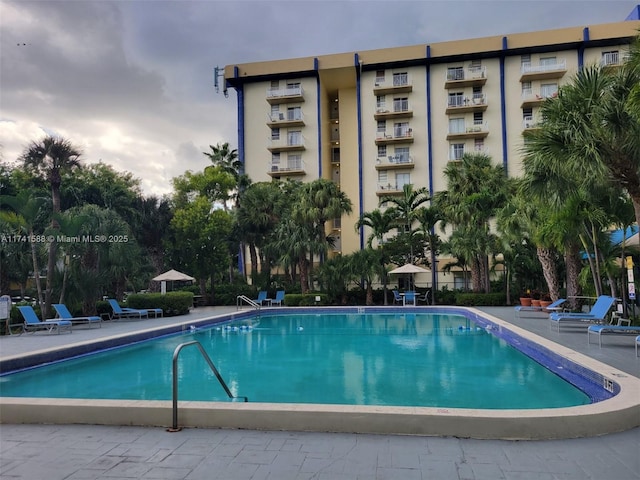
[286,143]
[394,162]
[395,134]
[461,77]
[389,189]
[288,165]
[543,67]
[287,94]
[531,97]
[296,117]
[473,130]
[397,83]
[529,122]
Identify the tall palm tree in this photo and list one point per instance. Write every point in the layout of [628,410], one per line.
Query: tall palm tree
[476,189]
[49,158]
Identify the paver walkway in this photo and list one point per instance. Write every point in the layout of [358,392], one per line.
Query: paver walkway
[69,452]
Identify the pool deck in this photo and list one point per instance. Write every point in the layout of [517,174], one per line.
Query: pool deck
[98,452]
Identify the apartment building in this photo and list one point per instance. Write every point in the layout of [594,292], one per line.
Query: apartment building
[376,120]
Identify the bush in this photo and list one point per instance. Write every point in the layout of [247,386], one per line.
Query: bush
[308,299]
[171,303]
[481,299]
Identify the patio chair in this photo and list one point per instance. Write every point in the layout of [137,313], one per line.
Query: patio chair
[33,324]
[597,313]
[601,330]
[397,298]
[426,298]
[279,298]
[262,298]
[409,298]
[120,312]
[552,307]
[64,314]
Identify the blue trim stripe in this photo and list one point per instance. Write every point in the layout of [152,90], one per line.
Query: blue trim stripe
[318,115]
[503,108]
[359,126]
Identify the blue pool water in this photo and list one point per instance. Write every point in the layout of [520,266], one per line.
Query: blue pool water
[413,359]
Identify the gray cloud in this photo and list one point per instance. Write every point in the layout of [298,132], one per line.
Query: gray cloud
[131,82]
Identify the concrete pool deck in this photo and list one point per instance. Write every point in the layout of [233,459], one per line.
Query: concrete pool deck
[256,454]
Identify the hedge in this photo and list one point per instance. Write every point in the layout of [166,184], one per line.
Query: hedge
[481,299]
[171,303]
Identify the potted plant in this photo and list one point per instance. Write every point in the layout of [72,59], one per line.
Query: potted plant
[545,300]
[525,299]
[535,298]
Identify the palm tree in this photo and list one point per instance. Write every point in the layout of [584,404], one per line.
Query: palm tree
[49,158]
[476,189]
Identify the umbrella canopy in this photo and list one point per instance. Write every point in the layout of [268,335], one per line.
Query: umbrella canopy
[173,276]
[410,268]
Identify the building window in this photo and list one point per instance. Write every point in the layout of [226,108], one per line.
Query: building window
[455,73]
[402,179]
[456,151]
[478,118]
[401,155]
[275,134]
[478,145]
[382,178]
[456,125]
[382,150]
[525,59]
[546,61]
[400,79]
[275,159]
[401,104]
[401,129]
[294,161]
[527,112]
[456,99]
[527,89]
[294,137]
[610,58]
[380,103]
[548,90]
[379,77]
[294,113]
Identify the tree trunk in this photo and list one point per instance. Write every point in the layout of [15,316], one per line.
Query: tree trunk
[573,264]
[547,260]
[36,273]
[304,274]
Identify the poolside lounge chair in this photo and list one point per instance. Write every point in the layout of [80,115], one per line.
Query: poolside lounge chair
[262,298]
[601,330]
[637,344]
[397,298]
[120,312]
[64,314]
[597,313]
[33,324]
[409,298]
[553,307]
[279,298]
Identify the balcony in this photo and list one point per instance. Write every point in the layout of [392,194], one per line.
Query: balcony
[289,168]
[285,119]
[389,190]
[290,94]
[543,71]
[394,162]
[396,136]
[612,59]
[459,104]
[477,130]
[532,99]
[288,144]
[465,77]
[398,112]
[398,84]
[529,123]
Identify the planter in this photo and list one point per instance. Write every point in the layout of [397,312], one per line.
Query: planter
[535,303]
[545,303]
[525,302]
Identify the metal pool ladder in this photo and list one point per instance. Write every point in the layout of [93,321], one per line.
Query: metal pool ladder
[213,368]
[244,298]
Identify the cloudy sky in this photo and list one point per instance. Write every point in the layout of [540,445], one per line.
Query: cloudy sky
[131,82]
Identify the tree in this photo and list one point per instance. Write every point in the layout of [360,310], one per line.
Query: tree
[476,189]
[48,159]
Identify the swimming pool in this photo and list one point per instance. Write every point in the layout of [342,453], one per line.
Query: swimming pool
[612,394]
[416,359]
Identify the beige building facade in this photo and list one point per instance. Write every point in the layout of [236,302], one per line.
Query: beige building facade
[375,120]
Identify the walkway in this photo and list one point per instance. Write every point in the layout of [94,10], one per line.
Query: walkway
[43,452]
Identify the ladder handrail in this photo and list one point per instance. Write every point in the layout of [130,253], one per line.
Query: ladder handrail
[176,353]
[248,300]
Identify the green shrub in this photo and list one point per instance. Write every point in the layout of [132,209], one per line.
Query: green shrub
[307,299]
[171,303]
[481,299]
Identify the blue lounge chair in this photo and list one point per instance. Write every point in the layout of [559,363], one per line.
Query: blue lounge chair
[601,330]
[637,344]
[553,307]
[33,324]
[279,298]
[409,298]
[64,314]
[597,313]
[397,298]
[262,298]
[120,312]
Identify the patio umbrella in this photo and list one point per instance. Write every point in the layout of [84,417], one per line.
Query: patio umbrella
[171,276]
[411,269]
